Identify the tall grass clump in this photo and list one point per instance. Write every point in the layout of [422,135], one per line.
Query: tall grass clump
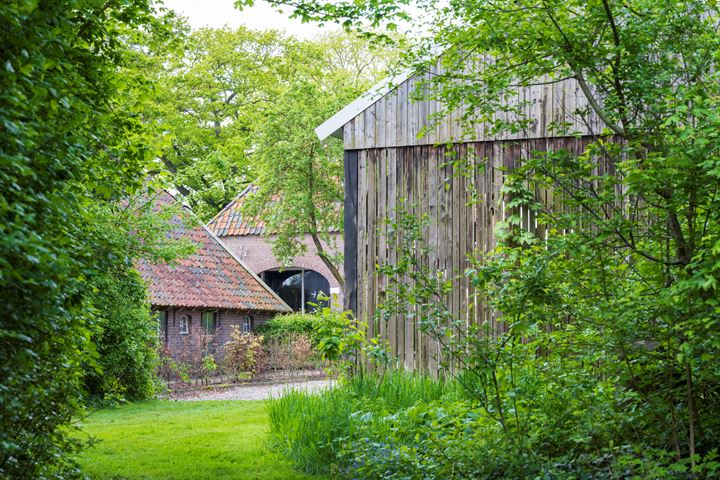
[311,429]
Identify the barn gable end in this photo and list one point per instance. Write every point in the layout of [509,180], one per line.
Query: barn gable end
[387,162]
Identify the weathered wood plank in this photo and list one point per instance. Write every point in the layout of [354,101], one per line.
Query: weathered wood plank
[463,211]
[410,338]
[392,172]
[433,183]
[363,285]
[396,119]
[381,237]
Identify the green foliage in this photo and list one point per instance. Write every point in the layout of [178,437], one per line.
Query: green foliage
[300,178]
[312,428]
[330,333]
[215,94]
[544,397]
[610,313]
[457,440]
[208,96]
[125,338]
[284,325]
[70,149]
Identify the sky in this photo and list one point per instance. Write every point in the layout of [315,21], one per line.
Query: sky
[218,13]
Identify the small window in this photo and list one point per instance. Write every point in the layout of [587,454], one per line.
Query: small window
[208,322]
[184,325]
[162,319]
[247,324]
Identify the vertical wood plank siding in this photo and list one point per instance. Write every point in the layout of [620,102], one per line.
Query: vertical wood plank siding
[463,209]
[389,162]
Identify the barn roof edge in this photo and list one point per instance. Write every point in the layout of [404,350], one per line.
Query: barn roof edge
[332,127]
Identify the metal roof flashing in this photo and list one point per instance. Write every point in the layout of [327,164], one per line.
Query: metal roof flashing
[333,127]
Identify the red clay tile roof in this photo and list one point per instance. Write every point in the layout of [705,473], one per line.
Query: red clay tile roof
[229,221]
[209,278]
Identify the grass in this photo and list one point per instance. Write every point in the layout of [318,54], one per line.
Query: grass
[304,425]
[183,440]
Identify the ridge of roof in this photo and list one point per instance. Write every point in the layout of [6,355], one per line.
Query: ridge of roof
[211,277]
[237,197]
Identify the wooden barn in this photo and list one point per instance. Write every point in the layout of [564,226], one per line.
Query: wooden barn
[387,160]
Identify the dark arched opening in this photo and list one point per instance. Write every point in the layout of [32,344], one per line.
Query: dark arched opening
[300,289]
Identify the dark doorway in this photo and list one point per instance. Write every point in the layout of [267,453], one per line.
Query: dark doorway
[299,288]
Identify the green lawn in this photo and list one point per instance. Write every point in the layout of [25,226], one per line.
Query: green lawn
[183,440]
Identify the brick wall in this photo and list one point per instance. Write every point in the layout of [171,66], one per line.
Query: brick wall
[256,252]
[181,344]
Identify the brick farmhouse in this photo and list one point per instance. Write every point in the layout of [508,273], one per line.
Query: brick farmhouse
[202,297]
[297,284]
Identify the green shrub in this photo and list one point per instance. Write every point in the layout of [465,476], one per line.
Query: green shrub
[412,427]
[324,329]
[73,143]
[282,326]
[126,340]
[331,333]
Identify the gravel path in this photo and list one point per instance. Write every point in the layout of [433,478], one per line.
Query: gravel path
[250,392]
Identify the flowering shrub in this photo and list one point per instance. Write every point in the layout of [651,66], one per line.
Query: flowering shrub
[244,354]
[168,369]
[292,352]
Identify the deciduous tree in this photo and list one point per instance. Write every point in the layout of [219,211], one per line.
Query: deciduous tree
[70,146]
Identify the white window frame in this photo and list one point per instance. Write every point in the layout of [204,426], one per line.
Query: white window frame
[247,324]
[184,325]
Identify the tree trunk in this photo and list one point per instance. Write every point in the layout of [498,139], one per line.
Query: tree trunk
[324,257]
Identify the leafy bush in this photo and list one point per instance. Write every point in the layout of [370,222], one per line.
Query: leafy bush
[458,440]
[125,338]
[72,146]
[330,332]
[569,390]
[324,330]
[244,354]
[282,326]
[412,427]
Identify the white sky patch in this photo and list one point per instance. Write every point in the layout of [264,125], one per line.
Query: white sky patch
[219,13]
